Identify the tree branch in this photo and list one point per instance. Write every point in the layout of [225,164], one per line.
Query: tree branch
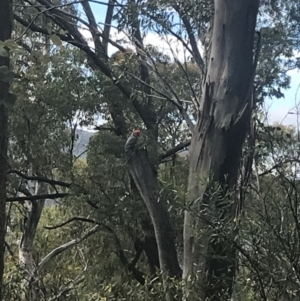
[104,128]
[170,99]
[167,87]
[79,42]
[191,36]
[147,184]
[107,26]
[278,165]
[25,191]
[62,22]
[76,218]
[67,288]
[75,38]
[139,276]
[94,27]
[175,149]
[66,246]
[143,68]
[37,178]
[37,197]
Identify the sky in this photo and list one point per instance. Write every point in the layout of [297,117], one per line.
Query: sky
[278,109]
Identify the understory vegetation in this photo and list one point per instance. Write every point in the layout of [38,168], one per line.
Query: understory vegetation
[207,208]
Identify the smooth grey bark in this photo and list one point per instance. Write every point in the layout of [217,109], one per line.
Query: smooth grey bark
[26,260]
[146,182]
[5,34]
[216,147]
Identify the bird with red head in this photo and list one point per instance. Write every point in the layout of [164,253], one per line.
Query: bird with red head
[132,140]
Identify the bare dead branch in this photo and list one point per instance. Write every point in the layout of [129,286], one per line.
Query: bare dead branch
[81,44]
[35,28]
[107,4]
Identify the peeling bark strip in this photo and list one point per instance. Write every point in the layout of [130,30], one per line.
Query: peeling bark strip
[5,34]
[147,185]
[216,147]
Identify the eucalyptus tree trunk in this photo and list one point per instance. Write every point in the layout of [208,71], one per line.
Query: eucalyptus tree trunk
[5,34]
[147,184]
[26,260]
[215,151]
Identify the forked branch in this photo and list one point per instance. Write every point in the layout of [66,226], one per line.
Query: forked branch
[66,246]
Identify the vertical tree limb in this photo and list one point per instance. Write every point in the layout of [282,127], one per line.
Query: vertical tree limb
[147,185]
[26,260]
[5,34]
[94,28]
[107,26]
[193,42]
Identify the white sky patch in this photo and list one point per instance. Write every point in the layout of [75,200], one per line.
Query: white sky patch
[167,44]
[284,110]
[282,114]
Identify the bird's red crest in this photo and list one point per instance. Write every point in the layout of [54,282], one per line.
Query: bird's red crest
[137,132]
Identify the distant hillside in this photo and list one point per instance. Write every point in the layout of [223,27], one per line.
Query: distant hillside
[82,143]
[80,149]
[81,146]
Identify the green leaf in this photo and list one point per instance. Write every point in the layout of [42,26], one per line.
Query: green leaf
[63,32]
[4,52]
[11,44]
[20,51]
[36,54]
[56,40]
[45,59]
[54,59]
